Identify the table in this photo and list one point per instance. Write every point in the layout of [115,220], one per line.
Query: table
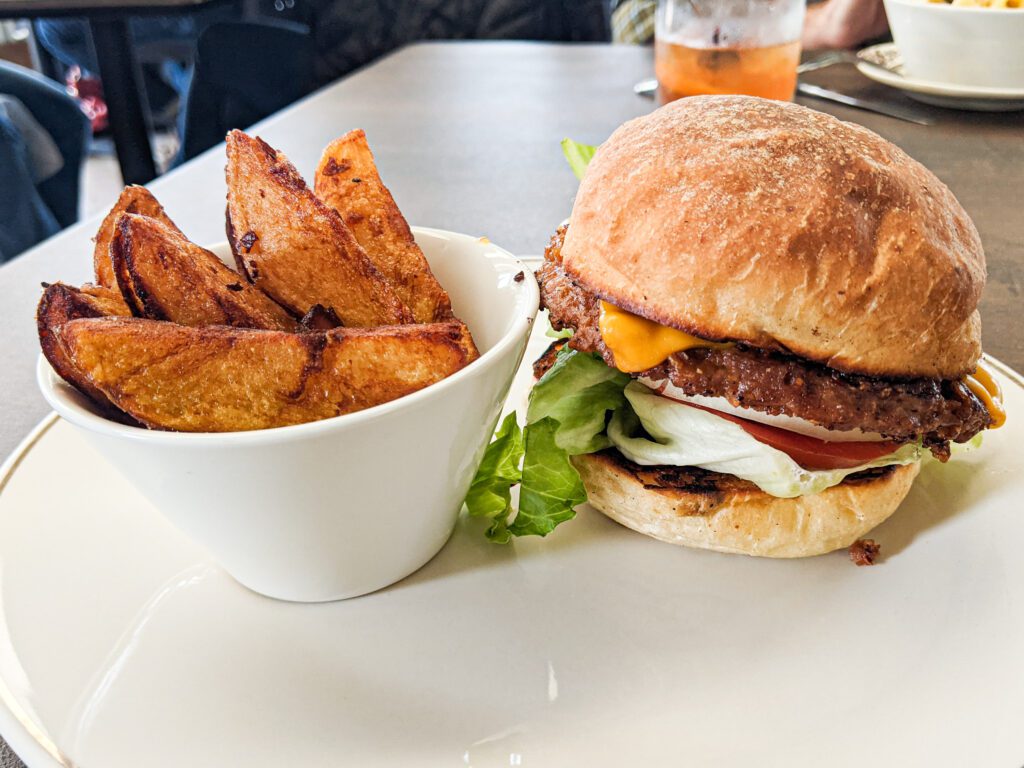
[119,69]
[467,137]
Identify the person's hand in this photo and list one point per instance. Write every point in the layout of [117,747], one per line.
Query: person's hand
[843,23]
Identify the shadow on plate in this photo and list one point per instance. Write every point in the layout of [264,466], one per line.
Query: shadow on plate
[940,493]
[469,550]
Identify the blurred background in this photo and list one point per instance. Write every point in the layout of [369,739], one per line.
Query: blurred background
[98,93]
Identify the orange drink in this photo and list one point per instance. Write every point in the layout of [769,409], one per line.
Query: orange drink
[769,72]
[749,47]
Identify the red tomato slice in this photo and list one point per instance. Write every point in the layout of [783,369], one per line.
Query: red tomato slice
[808,452]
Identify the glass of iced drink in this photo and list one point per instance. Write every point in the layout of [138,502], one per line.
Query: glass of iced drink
[749,47]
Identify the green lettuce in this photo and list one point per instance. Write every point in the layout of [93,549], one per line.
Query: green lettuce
[567,416]
[582,406]
[578,155]
[490,494]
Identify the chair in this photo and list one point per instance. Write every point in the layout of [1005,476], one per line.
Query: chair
[60,116]
[350,35]
[244,72]
[247,71]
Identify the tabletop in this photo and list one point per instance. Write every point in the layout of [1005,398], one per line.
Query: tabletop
[467,137]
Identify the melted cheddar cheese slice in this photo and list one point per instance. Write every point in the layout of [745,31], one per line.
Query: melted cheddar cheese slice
[639,344]
[983,384]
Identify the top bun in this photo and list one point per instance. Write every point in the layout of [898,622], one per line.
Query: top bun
[742,219]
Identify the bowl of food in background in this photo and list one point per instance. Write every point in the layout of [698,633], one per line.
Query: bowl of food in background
[977,43]
[313,419]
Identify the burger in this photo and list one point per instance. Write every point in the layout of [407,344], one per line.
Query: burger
[769,321]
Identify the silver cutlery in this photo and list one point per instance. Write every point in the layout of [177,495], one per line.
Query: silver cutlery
[649,87]
[870,105]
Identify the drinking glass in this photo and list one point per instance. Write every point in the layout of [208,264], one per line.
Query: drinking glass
[748,47]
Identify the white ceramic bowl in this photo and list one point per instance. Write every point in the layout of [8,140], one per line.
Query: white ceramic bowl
[344,506]
[962,46]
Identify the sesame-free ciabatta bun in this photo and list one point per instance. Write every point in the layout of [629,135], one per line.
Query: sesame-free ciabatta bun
[726,514]
[742,219]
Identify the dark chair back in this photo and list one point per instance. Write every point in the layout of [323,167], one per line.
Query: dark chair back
[58,113]
[351,34]
[244,72]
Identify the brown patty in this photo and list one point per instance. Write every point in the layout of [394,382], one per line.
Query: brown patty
[931,410]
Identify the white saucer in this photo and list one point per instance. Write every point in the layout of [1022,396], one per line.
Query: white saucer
[882,63]
[122,645]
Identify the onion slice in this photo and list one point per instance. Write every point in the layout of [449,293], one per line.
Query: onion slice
[792,423]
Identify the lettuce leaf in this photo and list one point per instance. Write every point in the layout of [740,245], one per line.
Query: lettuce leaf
[689,437]
[490,494]
[578,155]
[572,375]
[551,488]
[567,416]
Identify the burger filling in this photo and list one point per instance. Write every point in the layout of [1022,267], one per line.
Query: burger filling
[678,410]
[788,426]
[656,430]
[931,412]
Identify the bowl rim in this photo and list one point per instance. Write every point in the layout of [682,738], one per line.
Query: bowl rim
[962,9]
[59,394]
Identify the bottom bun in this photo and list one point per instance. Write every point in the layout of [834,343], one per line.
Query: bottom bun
[708,510]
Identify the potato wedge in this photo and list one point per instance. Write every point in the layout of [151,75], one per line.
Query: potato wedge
[294,247]
[218,379]
[132,200]
[61,303]
[165,277]
[348,181]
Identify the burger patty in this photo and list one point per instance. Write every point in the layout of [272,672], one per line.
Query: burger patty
[932,410]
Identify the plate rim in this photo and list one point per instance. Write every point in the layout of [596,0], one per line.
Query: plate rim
[932,87]
[26,737]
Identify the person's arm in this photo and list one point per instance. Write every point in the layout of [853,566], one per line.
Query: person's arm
[843,23]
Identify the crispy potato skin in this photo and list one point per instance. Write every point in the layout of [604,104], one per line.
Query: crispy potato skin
[219,379]
[171,338]
[163,276]
[61,303]
[132,200]
[294,247]
[348,181]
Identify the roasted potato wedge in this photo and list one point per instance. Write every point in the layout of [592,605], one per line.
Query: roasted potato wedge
[218,379]
[165,277]
[132,200]
[294,247]
[348,181]
[61,303]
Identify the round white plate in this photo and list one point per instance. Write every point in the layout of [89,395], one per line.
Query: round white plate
[122,644]
[882,63]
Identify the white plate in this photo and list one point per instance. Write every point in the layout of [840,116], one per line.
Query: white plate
[122,645]
[882,64]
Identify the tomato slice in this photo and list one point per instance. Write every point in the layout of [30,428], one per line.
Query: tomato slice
[808,452]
